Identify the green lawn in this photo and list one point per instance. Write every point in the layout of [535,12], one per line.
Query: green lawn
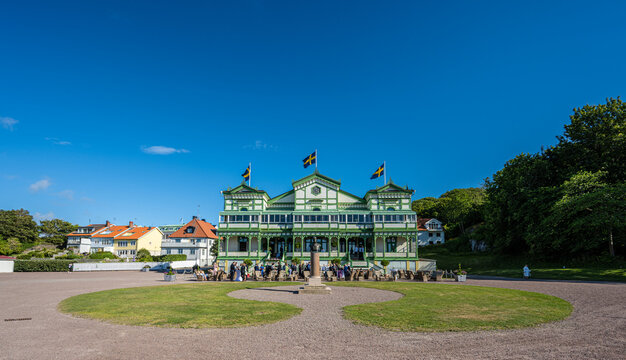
[511,266]
[187,306]
[446,307]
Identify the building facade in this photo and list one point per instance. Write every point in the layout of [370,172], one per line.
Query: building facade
[430,232]
[79,241]
[361,231]
[125,240]
[193,239]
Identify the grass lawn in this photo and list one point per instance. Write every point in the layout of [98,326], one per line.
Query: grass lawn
[510,266]
[187,306]
[446,307]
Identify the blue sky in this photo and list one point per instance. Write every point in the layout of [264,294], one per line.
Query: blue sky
[445,92]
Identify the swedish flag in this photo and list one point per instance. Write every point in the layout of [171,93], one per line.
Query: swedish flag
[310,160]
[246,174]
[379,172]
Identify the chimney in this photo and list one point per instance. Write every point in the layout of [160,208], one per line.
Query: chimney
[108,223]
[204,220]
[194,217]
[131,224]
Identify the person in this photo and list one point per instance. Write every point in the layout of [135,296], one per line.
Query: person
[69,267]
[256,267]
[526,271]
[244,271]
[238,273]
[232,270]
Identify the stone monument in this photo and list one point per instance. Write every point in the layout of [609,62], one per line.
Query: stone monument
[314,285]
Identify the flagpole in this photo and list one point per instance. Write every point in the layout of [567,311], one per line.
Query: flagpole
[250,174]
[385,171]
[316,159]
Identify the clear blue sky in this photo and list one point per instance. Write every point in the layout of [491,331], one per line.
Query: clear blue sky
[445,92]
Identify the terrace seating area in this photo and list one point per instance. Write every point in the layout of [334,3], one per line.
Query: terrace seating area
[329,276]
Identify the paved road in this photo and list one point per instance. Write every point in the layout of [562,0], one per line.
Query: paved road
[596,329]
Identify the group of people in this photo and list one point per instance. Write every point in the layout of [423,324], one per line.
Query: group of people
[238,272]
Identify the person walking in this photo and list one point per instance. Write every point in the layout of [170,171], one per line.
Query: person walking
[526,271]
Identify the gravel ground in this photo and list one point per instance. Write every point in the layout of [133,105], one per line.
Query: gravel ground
[596,329]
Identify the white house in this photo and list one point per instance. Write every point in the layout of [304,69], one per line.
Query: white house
[429,232]
[193,239]
[80,240]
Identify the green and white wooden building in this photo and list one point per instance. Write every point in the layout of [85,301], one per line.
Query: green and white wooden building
[361,231]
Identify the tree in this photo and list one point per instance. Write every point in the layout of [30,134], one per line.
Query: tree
[143,255]
[18,224]
[595,139]
[10,246]
[588,215]
[426,207]
[55,231]
[215,248]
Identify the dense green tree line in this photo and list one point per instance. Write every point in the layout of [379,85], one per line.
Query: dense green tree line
[568,200]
[18,231]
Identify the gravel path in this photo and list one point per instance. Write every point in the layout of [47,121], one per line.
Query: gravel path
[596,329]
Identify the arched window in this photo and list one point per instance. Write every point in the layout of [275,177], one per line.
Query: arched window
[391,209]
[317,209]
[243,209]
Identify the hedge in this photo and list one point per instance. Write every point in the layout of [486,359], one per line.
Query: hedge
[42,265]
[171,257]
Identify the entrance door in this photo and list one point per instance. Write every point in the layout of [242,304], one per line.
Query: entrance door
[356,247]
[277,248]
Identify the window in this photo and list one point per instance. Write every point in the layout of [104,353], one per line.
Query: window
[390,209]
[430,234]
[438,234]
[317,209]
[132,243]
[243,244]
[192,252]
[243,209]
[122,244]
[391,244]
[190,229]
[168,251]
[132,252]
[178,241]
[180,251]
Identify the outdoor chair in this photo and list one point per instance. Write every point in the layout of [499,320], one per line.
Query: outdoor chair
[257,275]
[307,274]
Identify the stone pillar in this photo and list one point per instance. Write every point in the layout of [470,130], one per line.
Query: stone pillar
[315,286]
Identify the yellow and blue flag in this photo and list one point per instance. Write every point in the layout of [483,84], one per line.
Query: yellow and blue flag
[379,172]
[246,174]
[310,160]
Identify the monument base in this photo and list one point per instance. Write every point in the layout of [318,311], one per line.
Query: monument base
[314,289]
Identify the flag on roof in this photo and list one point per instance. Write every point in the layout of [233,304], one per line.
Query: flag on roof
[310,160]
[246,174]
[379,172]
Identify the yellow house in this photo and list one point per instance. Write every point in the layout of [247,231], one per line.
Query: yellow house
[127,244]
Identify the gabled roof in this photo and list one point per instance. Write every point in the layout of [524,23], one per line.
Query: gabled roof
[97,227]
[202,229]
[243,188]
[390,187]
[114,231]
[136,232]
[316,174]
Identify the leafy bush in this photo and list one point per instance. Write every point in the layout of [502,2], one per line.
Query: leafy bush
[384,263]
[295,260]
[248,262]
[171,257]
[69,256]
[143,255]
[336,261]
[102,255]
[42,265]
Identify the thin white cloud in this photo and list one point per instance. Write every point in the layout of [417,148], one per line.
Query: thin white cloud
[56,141]
[8,123]
[47,216]
[87,199]
[260,145]
[42,184]
[162,150]
[66,194]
